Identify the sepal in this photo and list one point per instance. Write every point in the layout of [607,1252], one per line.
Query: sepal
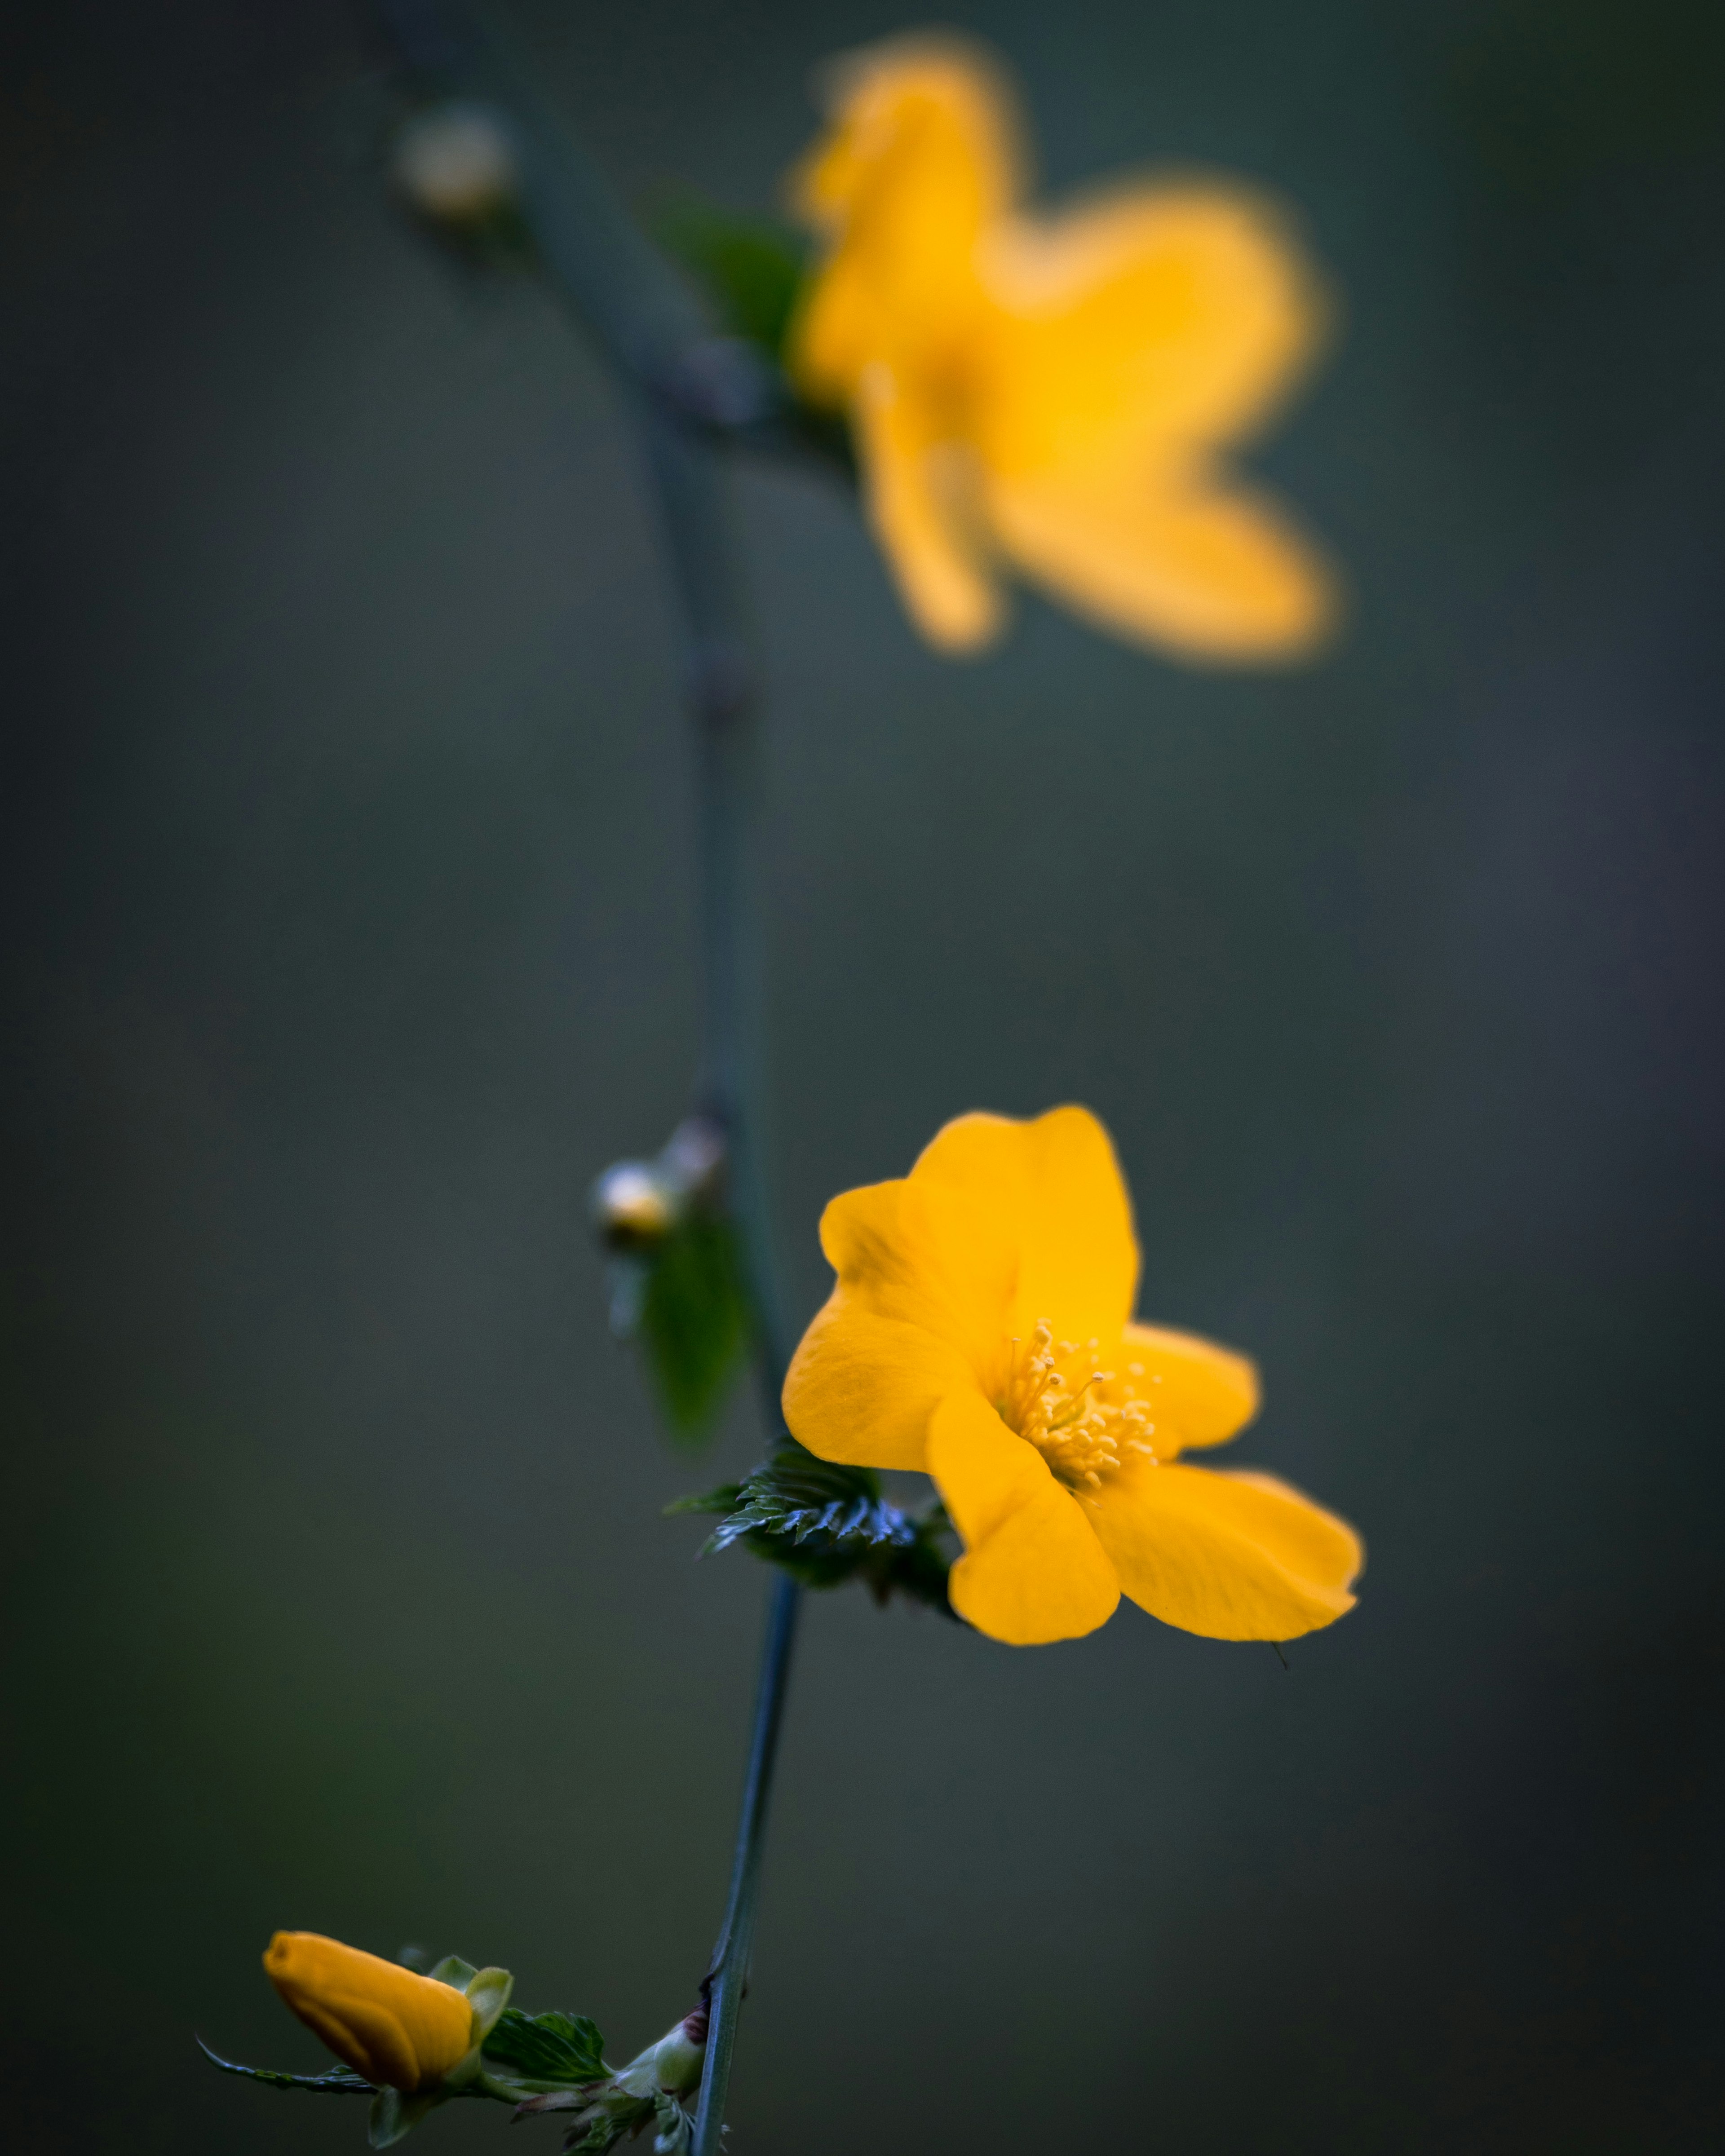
[488,1991]
[394,2116]
[676,2129]
[337,2081]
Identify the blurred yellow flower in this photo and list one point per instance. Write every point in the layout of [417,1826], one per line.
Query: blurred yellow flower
[398,2030]
[1053,392]
[981,1331]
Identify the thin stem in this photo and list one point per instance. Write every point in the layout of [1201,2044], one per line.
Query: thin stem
[731,1955]
[725,709]
[687,388]
[724,705]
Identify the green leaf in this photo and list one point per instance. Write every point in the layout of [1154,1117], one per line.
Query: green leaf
[722,1500]
[694,1323]
[752,271]
[558,2050]
[750,268]
[454,1972]
[798,1495]
[826,1525]
[337,2081]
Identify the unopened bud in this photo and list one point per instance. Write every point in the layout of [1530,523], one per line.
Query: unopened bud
[638,1203]
[633,1205]
[671,2066]
[393,2028]
[455,164]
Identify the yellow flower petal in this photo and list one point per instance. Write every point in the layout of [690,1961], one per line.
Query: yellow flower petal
[1232,1557]
[999,1225]
[1033,1570]
[914,496]
[1050,1193]
[923,157]
[1199,1394]
[1157,317]
[1212,575]
[861,1389]
[394,2027]
[369,2037]
[904,1255]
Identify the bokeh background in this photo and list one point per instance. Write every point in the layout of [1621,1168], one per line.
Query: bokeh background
[348,932]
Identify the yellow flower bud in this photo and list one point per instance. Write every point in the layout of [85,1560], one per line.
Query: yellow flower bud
[400,2031]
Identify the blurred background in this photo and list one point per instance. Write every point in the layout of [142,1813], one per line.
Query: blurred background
[349,932]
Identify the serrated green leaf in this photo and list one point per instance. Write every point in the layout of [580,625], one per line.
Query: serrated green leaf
[798,1495]
[559,2050]
[694,1321]
[826,1524]
[724,1499]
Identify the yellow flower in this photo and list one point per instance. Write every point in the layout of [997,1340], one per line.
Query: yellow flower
[1051,393]
[401,2030]
[981,1331]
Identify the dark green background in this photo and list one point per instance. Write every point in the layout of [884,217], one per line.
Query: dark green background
[348,932]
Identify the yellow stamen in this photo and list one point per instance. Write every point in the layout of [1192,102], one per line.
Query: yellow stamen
[1078,1418]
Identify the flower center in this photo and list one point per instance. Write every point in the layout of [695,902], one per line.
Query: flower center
[1082,1418]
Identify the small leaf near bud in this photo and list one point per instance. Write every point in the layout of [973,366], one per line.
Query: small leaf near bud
[546,2051]
[455,164]
[651,2089]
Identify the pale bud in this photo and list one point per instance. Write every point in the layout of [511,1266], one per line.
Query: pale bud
[456,164]
[634,1204]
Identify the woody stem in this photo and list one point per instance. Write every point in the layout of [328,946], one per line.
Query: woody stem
[687,390]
